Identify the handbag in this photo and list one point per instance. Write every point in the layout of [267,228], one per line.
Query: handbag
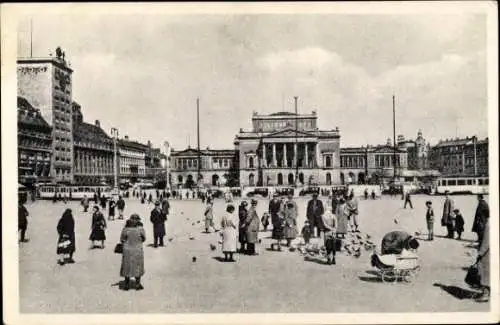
[473,278]
[119,248]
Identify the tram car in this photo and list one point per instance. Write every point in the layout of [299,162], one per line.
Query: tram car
[47,192]
[461,185]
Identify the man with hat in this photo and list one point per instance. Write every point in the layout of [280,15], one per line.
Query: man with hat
[158,219]
[314,214]
[448,215]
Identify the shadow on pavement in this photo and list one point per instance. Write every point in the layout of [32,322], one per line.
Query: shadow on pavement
[221,259]
[457,292]
[120,285]
[372,279]
[316,260]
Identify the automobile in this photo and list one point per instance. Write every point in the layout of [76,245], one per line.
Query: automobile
[309,190]
[216,193]
[258,191]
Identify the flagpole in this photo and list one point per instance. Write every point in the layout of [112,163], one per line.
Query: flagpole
[31,37]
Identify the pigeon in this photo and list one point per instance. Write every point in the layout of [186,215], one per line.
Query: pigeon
[170,239]
[292,249]
[396,221]
[212,247]
[192,224]
[194,259]
[182,212]
[191,237]
[198,221]
[260,241]
[417,233]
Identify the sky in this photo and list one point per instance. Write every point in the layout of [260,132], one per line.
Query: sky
[143,73]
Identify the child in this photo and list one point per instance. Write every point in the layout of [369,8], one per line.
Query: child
[306,232]
[459,223]
[429,217]
[265,220]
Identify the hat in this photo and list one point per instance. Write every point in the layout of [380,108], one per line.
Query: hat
[315,194]
[135,216]
[446,192]
[275,194]
[306,222]
[157,202]
[253,202]
[456,210]
[428,202]
[244,203]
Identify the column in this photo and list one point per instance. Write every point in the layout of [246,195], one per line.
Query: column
[317,156]
[264,155]
[306,155]
[295,160]
[274,155]
[284,156]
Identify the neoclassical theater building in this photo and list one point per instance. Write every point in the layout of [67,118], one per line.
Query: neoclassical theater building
[287,149]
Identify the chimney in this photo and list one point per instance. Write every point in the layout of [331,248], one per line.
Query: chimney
[97,123]
[126,137]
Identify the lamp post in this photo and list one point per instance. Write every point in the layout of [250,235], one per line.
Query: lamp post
[296,142]
[114,134]
[166,145]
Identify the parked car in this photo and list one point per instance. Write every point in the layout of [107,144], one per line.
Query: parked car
[258,191]
[309,190]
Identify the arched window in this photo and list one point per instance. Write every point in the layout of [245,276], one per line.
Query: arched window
[301,178]
[328,179]
[328,161]
[342,178]
[280,179]
[251,180]
[250,162]
[215,179]
[290,179]
[179,179]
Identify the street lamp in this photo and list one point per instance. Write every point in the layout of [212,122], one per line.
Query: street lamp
[114,134]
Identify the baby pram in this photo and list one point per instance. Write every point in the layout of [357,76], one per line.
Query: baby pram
[394,267]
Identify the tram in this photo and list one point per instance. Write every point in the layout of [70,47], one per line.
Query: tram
[462,185]
[47,192]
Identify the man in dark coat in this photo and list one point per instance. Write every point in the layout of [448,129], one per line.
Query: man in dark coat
[165,207]
[242,214]
[120,204]
[314,212]
[22,215]
[274,211]
[480,218]
[448,215]
[158,220]
[408,200]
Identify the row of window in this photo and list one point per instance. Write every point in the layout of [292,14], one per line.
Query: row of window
[457,182]
[34,143]
[352,161]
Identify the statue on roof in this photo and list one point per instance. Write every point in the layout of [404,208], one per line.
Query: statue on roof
[59,52]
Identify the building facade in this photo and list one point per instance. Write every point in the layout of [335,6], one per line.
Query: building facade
[34,145]
[46,84]
[218,168]
[132,160]
[93,152]
[461,157]
[288,149]
[418,152]
[372,164]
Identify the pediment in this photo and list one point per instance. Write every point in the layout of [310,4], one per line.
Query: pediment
[187,152]
[386,149]
[290,133]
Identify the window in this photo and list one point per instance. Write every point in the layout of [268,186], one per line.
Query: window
[452,182]
[461,182]
[480,181]
[250,162]
[328,163]
[469,182]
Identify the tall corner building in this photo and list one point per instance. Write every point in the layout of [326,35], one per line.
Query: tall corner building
[46,83]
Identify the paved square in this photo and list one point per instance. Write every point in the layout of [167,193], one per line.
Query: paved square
[271,282]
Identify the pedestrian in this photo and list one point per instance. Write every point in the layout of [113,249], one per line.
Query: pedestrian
[352,217]
[209,216]
[143,200]
[165,208]
[483,260]
[98,227]
[229,233]
[111,210]
[290,214]
[366,194]
[132,237]
[158,219]
[408,199]
[306,232]
[85,203]
[150,198]
[103,201]
[65,198]
[314,212]
[33,195]
[66,242]
[96,201]
[22,221]
[265,220]
[480,218]
[329,225]
[335,201]
[242,215]
[459,223]
[429,218]
[274,210]
[395,242]
[373,195]
[157,193]
[447,218]
[342,221]
[120,204]
[252,228]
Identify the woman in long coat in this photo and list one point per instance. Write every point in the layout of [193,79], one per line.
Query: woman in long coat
[329,224]
[484,264]
[252,228]
[66,242]
[290,214]
[132,237]
[98,227]
[209,216]
[229,233]
[342,220]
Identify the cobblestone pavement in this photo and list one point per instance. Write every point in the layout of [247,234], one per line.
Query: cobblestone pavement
[271,282]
